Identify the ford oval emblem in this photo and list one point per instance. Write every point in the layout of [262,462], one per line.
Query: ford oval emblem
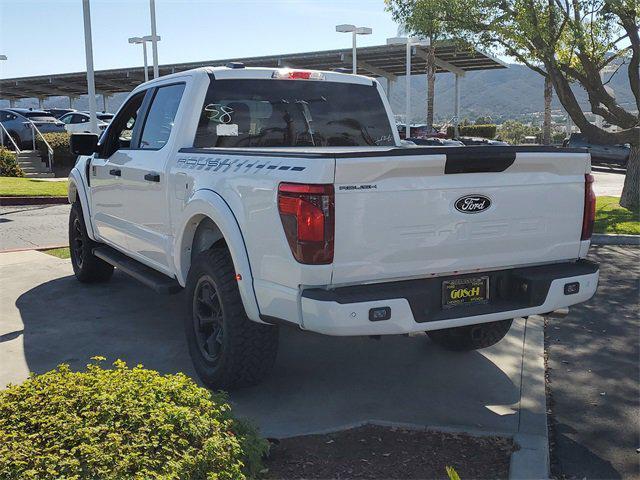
[472,203]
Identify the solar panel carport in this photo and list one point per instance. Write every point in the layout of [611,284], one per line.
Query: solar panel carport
[388,61]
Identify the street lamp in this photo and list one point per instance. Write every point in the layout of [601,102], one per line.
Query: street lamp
[143,41]
[154,38]
[410,42]
[88,50]
[354,31]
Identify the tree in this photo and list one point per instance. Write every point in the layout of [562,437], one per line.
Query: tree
[514,132]
[427,19]
[483,120]
[571,42]
[546,124]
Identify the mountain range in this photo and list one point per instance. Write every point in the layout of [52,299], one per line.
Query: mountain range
[511,93]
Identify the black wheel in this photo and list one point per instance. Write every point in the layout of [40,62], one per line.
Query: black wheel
[228,350]
[87,267]
[472,337]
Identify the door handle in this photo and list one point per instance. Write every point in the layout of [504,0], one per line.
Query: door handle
[116,172]
[152,177]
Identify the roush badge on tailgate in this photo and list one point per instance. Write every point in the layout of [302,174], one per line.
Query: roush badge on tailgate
[472,203]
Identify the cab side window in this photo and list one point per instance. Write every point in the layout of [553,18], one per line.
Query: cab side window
[120,132]
[162,113]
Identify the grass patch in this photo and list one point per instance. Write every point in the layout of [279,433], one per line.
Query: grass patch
[58,252]
[612,218]
[29,187]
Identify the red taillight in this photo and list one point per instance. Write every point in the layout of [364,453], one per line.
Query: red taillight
[307,214]
[589,215]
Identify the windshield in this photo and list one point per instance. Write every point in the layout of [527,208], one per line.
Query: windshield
[292,113]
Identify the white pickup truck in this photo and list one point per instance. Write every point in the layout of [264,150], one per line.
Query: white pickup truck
[285,197]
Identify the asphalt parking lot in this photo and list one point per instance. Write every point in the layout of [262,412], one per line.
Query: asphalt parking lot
[594,370]
[319,383]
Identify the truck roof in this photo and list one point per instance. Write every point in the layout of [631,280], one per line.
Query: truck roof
[224,72]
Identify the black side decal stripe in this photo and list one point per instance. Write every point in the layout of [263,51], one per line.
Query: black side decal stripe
[478,162]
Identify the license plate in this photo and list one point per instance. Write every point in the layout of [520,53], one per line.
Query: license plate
[465,291]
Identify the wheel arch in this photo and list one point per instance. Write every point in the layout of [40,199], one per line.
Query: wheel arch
[207,220]
[77,192]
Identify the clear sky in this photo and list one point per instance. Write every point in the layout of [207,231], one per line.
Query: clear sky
[46,36]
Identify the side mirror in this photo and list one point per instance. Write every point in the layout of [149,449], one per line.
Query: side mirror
[83,143]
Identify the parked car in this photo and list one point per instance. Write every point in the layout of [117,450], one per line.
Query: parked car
[104,116]
[18,123]
[608,154]
[436,142]
[273,198]
[77,122]
[479,141]
[58,112]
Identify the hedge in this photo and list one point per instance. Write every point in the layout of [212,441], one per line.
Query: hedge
[9,166]
[121,423]
[63,159]
[484,131]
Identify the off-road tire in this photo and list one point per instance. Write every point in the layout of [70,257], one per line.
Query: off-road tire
[472,337]
[244,352]
[87,267]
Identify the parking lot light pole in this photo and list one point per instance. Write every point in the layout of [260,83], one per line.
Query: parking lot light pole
[137,41]
[154,38]
[88,48]
[354,31]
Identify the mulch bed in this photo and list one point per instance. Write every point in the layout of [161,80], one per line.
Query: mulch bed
[375,452]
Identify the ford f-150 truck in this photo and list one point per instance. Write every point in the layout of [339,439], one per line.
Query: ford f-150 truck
[277,197]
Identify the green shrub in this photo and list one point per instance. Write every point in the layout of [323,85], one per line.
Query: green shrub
[514,132]
[558,137]
[121,423]
[9,166]
[59,142]
[484,131]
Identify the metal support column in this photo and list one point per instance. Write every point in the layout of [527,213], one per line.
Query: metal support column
[88,49]
[456,107]
[40,103]
[407,100]
[12,102]
[154,38]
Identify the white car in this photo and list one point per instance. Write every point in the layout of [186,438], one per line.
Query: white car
[285,197]
[78,122]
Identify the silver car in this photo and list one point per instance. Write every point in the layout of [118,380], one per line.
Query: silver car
[18,123]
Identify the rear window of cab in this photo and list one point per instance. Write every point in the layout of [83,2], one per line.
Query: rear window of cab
[291,113]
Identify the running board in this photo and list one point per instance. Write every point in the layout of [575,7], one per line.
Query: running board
[145,275]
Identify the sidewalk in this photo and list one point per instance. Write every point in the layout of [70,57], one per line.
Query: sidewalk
[319,383]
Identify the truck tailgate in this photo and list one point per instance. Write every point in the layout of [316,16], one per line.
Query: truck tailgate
[402,215]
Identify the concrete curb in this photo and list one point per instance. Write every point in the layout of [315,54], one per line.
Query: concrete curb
[404,425]
[614,239]
[16,201]
[532,460]
[38,249]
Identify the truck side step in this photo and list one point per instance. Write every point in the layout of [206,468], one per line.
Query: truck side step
[145,275]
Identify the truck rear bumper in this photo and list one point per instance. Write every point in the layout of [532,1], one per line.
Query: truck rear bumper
[415,305]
